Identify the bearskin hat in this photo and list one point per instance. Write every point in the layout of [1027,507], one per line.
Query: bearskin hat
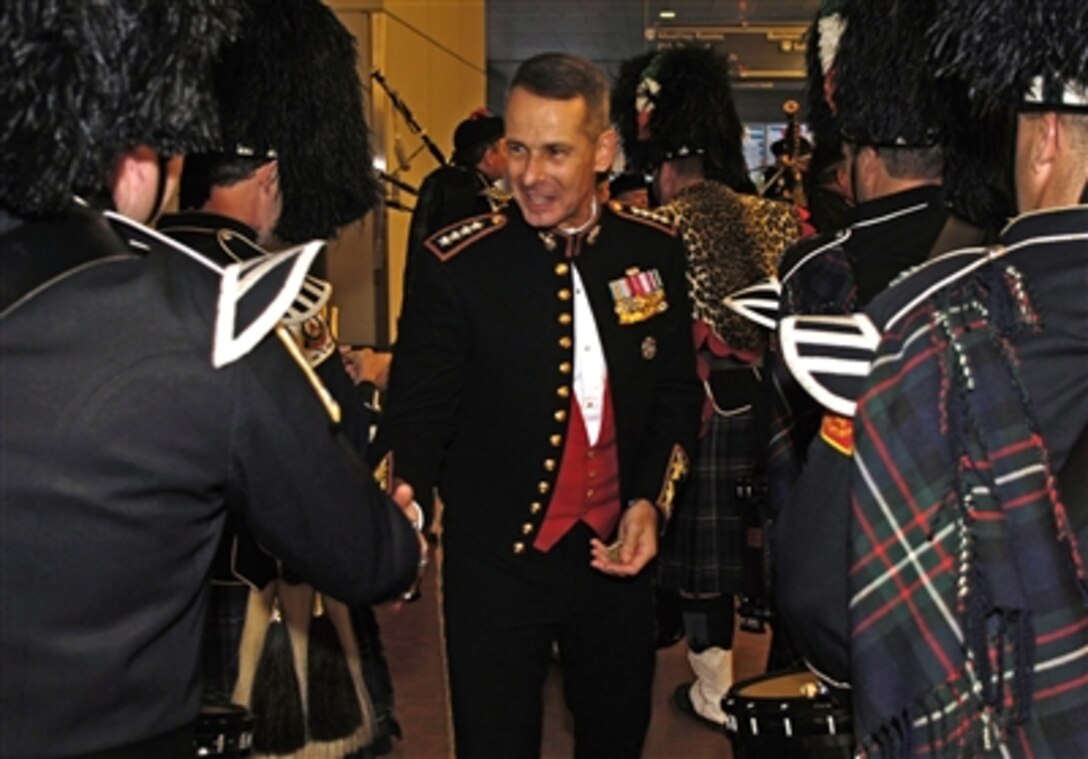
[289,88]
[682,104]
[1018,53]
[885,92]
[888,93]
[1007,55]
[85,80]
[821,45]
[625,114]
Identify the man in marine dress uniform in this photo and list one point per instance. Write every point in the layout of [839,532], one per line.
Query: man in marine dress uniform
[544,382]
[145,391]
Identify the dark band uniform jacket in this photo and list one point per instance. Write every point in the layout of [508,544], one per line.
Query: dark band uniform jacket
[839,273]
[1032,396]
[226,241]
[827,276]
[492,326]
[823,360]
[123,450]
[231,664]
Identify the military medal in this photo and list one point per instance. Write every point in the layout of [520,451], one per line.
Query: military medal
[638,296]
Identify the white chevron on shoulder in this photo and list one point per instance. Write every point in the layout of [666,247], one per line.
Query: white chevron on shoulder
[284,271]
[829,356]
[758,303]
[232,341]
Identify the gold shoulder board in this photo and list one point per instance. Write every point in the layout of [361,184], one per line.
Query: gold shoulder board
[661,220]
[448,242]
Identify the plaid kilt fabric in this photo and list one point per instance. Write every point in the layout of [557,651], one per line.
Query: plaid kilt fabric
[703,549]
[731,241]
[969,622]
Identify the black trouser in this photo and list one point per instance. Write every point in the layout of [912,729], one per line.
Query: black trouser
[500,626]
[177,744]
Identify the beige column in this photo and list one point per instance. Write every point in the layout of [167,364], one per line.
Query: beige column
[431,53]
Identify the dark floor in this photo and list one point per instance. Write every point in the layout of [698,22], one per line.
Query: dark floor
[411,638]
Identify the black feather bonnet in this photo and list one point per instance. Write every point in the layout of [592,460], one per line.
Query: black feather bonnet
[85,80]
[680,103]
[289,88]
[886,92]
[1022,53]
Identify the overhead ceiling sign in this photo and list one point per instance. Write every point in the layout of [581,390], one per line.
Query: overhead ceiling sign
[757,54]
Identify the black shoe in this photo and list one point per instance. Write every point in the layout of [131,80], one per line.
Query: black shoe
[682,698]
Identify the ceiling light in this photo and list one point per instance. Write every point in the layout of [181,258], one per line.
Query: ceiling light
[667,14]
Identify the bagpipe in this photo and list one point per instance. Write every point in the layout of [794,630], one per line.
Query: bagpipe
[786,181]
[404,161]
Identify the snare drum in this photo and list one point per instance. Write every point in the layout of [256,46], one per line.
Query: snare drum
[786,714]
[224,730]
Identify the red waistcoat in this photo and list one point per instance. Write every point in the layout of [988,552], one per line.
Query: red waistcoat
[588,486]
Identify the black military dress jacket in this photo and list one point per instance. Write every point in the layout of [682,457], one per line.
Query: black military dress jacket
[122,450]
[481,386]
[225,241]
[447,195]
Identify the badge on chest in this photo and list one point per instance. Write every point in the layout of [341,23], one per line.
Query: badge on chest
[638,296]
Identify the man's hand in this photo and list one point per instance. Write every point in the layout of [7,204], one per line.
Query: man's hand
[637,542]
[367,365]
[404,497]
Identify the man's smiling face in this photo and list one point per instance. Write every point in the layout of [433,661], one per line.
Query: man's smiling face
[552,159]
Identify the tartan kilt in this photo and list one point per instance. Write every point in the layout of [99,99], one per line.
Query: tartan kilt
[703,549]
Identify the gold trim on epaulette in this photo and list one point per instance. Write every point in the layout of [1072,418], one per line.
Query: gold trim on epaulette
[674,473]
[323,394]
[660,220]
[449,241]
[383,472]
